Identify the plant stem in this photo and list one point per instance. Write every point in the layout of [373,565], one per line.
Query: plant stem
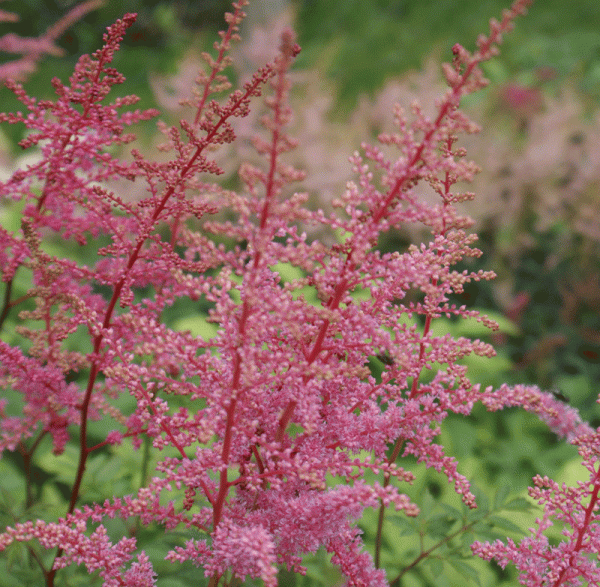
[426,553]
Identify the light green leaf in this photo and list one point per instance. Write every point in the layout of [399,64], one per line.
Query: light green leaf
[288,272]
[406,526]
[467,538]
[519,504]
[452,511]
[505,524]
[501,495]
[197,326]
[464,569]
[435,565]
[439,526]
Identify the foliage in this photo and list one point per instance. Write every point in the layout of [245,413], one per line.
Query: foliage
[400,34]
[194,382]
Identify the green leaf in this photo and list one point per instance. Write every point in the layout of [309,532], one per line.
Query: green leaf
[11,214]
[467,539]
[452,511]
[470,328]
[519,504]
[439,526]
[464,569]
[288,272]
[505,524]
[16,555]
[104,474]
[428,504]
[501,495]
[435,565]
[197,326]
[477,515]
[483,503]
[63,466]
[488,534]
[407,527]
[14,575]
[12,478]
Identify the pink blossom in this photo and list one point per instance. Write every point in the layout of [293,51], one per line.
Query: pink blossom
[575,558]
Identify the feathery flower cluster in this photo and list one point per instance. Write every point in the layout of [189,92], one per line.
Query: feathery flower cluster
[272,422]
[575,509]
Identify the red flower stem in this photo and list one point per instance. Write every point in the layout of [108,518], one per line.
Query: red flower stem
[270,194]
[589,510]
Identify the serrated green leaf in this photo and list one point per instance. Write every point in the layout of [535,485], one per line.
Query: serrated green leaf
[439,526]
[407,527]
[197,326]
[63,466]
[436,566]
[464,569]
[16,555]
[519,504]
[452,511]
[467,538]
[476,515]
[319,570]
[12,478]
[487,534]
[500,496]
[483,503]
[505,524]
[18,576]
[104,474]
[428,504]
[288,272]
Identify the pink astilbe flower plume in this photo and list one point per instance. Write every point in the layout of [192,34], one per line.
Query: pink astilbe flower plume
[575,509]
[270,428]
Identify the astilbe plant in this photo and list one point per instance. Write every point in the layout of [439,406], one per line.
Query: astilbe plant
[273,425]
